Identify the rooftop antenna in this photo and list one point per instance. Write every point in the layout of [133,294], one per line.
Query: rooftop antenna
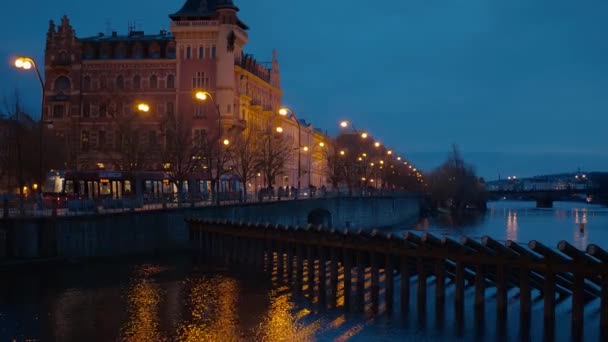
[131,26]
[108,27]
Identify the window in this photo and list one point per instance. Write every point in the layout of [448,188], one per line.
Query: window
[201,52]
[86,84]
[213,51]
[152,138]
[199,111]
[101,138]
[138,53]
[199,136]
[89,53]
[188,52]
[62,84]
[103,110]
[102,83]
[84,140]
[200,81]
[86,110]
[120,82]
[228,109]
[153,82]
[121,53]
[171,52]
[105,52]
[58,111]
[170,81]
[136,82]
[170,108]
[63,58]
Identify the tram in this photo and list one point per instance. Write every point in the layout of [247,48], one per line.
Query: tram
[151,186]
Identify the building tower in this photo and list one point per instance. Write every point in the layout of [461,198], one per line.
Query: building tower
[209,36]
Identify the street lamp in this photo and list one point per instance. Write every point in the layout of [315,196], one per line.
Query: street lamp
[312,151]
[285,112]
[203,96]
[27,63]
[143,107]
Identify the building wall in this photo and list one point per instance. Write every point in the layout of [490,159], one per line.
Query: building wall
[108,76]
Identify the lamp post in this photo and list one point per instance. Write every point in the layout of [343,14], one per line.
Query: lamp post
[27,63]
[310,156]
[285,112]
[202,96]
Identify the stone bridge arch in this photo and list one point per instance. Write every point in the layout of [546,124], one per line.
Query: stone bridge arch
[320,216]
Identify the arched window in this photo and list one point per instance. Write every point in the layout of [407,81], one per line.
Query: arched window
[136,82]
[86,83]
[62,84]
[153,82]
[120,82]
[63,58]
[170,81]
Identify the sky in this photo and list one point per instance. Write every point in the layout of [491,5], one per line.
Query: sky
[521,86]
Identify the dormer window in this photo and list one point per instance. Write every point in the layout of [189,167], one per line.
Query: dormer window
[138,52]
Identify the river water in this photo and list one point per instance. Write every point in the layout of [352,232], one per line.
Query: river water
[178,299]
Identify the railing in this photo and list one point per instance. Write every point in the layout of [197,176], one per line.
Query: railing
[556,275]
[29,208]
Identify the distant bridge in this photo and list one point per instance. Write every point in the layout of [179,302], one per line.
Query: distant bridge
[544,197]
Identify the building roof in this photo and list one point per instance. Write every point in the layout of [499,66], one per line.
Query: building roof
[132,36]
[201,9]
[204,10]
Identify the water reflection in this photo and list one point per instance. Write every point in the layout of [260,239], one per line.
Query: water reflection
[144,296]
[283,322]
[213,304]
[580,235]
[522,222]
[512,225]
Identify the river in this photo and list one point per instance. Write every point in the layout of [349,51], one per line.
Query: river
[178,299]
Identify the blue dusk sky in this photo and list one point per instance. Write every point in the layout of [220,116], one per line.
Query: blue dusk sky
[520,85]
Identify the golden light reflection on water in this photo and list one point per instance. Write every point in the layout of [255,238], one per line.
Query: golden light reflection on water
[213,314]
[282,323]
[143,299]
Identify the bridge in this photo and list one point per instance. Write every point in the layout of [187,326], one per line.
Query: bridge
[544,197]
[311,259]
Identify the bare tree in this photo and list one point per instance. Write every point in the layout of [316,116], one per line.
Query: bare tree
[180,153]
[275,152]
[245,156]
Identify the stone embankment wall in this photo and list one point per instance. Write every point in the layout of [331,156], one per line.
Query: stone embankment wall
[165,231]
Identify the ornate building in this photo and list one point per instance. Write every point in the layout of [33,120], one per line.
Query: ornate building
[95,84]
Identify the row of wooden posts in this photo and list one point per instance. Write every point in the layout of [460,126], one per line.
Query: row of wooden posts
[557,274]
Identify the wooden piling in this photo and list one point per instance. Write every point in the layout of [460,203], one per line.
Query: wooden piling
[322,252]
[459,294]
[375,280]
[389,293]
[299,267]
[480,287]
[549,302]
[333,277]
[311,270]
[360,280]
[348,265]
[421,289]
[404,269]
